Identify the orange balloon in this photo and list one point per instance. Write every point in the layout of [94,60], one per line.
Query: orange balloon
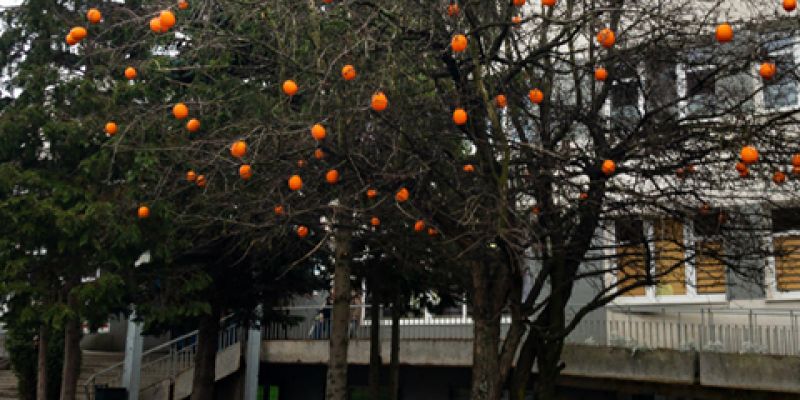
[239,149]
[749,155]
[94,16]
[167,19]
[375,221]
[290,87]
[183,4]
[453,9]
[501,101]
[201,181]
[332,176]
[601,74]
[180,111]
[78,33]
[789,5]
[302,231]
[191,176]
[458,43]
[143,212]
[372,193]
[295,183]
[130,73]
[796,160]
[319,154]
[419,226]
[348,72]
[606,38]
[767,70]
[609,167]
[279,210]
[193,125]
[519,3]
[155,25]
[779,177]
[318,132]
[71,41]
[536,96]
[401,195]
[468,168]
[379,101]
[245,172]
[432,231]
[111,128]
[724,33]
[548,3]
[460,116]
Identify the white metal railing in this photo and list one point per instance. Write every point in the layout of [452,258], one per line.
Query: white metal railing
[721,330]
[165,361]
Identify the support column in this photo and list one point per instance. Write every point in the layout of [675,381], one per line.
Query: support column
[252,362]
[132,365]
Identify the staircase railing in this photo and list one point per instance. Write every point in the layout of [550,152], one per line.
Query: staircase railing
[165,361]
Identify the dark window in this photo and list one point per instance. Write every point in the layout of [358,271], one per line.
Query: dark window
[625,94]
[700,89]
[709,224]
[785,219]
[630,231]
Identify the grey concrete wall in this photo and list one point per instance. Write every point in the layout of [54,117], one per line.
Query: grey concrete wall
[670,367]
[412,352]
[159,391]
[750,371]
[665,366]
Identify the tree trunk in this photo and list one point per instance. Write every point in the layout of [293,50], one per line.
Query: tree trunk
[522,371]
[375,350]
[336,385]
[41,366]
[394,356]
[549,368]
[206,357]
[485,375]
[71,368]
[486,383]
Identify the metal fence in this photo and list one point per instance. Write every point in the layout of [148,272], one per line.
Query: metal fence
[721,330]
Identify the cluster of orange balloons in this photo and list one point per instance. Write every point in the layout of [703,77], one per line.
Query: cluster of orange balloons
[163,22]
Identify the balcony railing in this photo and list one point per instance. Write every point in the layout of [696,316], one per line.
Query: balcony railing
[721,330]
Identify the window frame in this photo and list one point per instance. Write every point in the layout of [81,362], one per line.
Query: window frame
[640,81]
[794,49]
[771,269]
[651,297]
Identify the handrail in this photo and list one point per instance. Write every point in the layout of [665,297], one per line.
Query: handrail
[168,354]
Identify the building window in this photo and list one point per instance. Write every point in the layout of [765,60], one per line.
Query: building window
[700,83]
[670,257]
[626,98]
[711,87]
[786,243]
[631,265]
[781,91]
[709,253]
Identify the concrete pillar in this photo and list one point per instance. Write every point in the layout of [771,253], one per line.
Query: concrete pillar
[132,365]
[252,361]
